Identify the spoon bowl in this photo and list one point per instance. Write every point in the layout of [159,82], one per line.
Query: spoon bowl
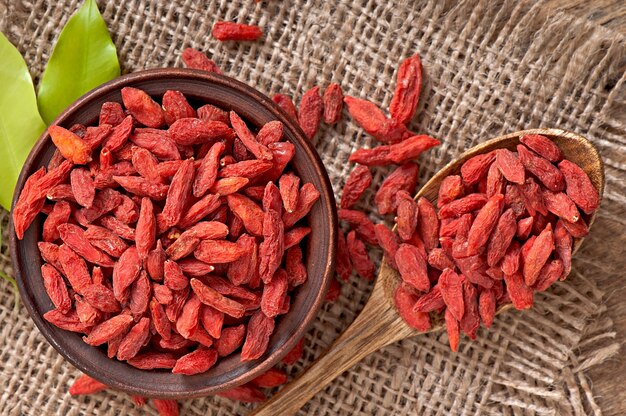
[379,323]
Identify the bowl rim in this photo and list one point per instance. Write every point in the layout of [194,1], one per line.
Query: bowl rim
[327,200]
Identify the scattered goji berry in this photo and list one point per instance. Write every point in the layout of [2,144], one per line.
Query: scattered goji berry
[195,59]
[310,112]
[333,103]
[408,88]
[236,31]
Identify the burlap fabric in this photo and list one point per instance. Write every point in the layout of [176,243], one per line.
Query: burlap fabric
[489,69]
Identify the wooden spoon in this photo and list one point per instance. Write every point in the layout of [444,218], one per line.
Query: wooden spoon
[379,324]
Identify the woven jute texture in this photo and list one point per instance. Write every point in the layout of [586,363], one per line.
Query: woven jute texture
[490,68]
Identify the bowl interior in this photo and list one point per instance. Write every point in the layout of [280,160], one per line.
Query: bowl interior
[200,88]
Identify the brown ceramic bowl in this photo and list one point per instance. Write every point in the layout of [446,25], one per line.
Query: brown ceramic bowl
[257,109]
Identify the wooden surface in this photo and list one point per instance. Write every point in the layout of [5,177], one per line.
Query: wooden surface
[379,324]
[608,378]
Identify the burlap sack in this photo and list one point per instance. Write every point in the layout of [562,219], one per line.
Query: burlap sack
[489,69]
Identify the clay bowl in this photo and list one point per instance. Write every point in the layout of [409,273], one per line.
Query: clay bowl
[257,109]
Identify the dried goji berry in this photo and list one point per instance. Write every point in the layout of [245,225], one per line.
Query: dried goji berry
[146,228]
[458,207]
[246,393]
[438,259]
[285,102]
[294,266]
[359,257]
[524,227]
[191,131]
[537,255]
[561,205]
[55,288]
[487,307]
[68,322]
[101,297]
[207,172]
[142,187]
[387,241]
[274,293]
[429,302]
[542,169]
[295,353]
[453,330]
[197,60]
[178,193]
[173,276]
[196,362]
[471,317]
[579,187]
[543,146]
[134,340]
[289,185]
[399,153]
[125,272]
[83,187]
[306,198]
[359,180]
[451,288]
[521,295]
[260,327]
[202,208]
[108,329]
[158,142]
[549,274]
[404,300]
[143,108]
[533,197]
[412,267]
[427,224]
[406,215]
[367,115]
[451,188]
[160,320]
[333,103]
[70,145]
[60,215]
[310,111]
[501,238]
[86,385]
[153,360]
[475,168]
[563,246]
[236,31]
[273,377]
[166,407]
[510,166]
[259,150]
[408,88]
[111,113]
[343,265]
[495,181]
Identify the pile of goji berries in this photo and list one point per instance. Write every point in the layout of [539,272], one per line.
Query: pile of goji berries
[173,234]
[502,230]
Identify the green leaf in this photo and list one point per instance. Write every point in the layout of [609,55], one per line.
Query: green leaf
[83,58]
[20,123]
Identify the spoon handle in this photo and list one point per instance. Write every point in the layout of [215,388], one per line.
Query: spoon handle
[376,326]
